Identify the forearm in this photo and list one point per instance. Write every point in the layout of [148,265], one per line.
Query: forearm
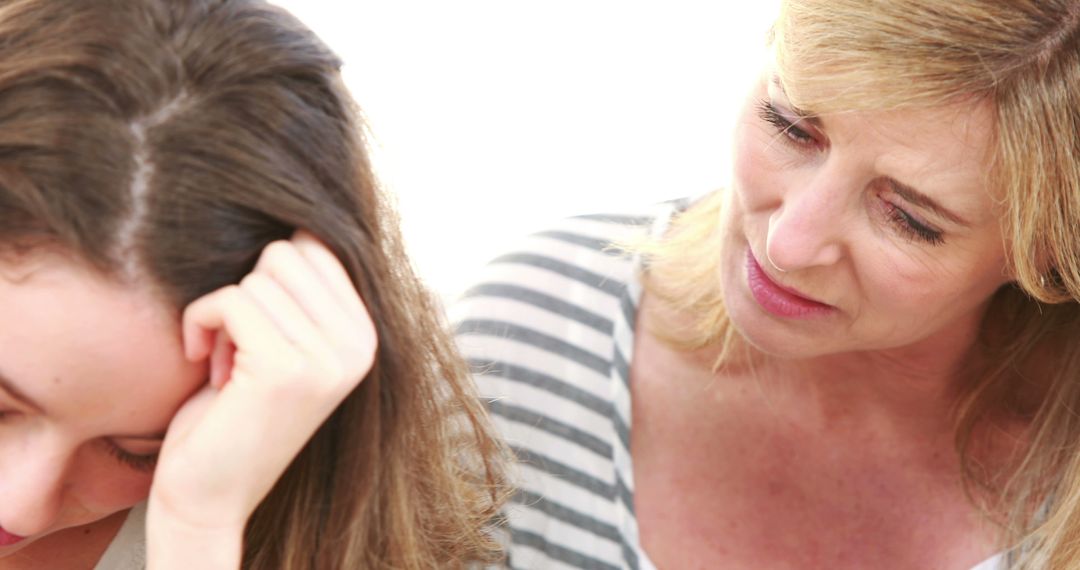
[175,545]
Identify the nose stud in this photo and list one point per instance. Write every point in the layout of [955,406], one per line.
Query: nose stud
[773,263]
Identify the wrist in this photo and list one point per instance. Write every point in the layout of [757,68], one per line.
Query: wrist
[172,542]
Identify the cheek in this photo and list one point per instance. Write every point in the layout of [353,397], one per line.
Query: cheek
[909,285]
[103,485]
[759,170]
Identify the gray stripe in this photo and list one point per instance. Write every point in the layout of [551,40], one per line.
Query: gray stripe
[557,552]
[629,556]
[624,493]
[629,309]
[552,426]
[622,430]
[542,381]
[622,368]
[596,244]
[627,498]
[619,219]
[525,335]
[565,472]
[567,515]
[543,301]
[590,278]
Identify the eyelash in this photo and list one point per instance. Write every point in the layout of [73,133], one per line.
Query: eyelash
[769,114]
[904,222]
[911,227]
[143,463]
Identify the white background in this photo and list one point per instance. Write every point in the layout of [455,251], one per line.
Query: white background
[493,118]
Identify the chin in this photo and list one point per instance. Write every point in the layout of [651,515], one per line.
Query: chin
[773,339]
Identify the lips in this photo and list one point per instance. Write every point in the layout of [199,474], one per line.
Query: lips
[7,539]
[777,299]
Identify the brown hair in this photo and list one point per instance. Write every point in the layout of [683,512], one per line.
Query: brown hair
[1023,57]
[166,142]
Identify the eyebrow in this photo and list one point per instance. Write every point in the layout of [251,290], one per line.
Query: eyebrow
[903,190]
[803,114]
[19,396]
[923,201]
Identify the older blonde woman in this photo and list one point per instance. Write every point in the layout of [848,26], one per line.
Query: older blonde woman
[862,354]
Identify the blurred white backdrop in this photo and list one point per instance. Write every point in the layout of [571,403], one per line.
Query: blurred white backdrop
[493,118]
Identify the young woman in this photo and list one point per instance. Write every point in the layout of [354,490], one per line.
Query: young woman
[863,354]
[210,331]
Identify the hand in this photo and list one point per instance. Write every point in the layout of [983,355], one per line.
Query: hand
[285,347]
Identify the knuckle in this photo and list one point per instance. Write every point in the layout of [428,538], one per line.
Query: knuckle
[361,356]
[291,368]
[250,280]
[231,295]
[275,253]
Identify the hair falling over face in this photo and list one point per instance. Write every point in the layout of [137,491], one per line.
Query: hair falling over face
[167,142]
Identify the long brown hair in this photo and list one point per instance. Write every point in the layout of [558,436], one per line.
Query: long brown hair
[1023,57]
[166,142]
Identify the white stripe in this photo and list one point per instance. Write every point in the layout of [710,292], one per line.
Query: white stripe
[485,347]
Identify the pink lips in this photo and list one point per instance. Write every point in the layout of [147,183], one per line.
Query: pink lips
[7,539]
[779,300]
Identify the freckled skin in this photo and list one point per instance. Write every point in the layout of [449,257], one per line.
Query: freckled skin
[104,361]
[817,214]
[836,449]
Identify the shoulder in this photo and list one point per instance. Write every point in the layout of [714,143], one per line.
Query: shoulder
[558,291]
[544,331]
[573,259]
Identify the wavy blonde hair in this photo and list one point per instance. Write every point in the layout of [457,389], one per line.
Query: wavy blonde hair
[1023,56]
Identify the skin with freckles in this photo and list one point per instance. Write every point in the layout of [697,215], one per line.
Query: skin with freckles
[820,201]
[842,428]
[104,364]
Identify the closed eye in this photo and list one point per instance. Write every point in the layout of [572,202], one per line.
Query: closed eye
[910,227]
[784,126]
[144,463]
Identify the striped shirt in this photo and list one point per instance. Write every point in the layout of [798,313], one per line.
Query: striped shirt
[549,333]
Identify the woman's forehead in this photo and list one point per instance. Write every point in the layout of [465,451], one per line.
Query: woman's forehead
[88,348]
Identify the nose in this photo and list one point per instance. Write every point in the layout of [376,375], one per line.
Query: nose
[31,488]
[807,228]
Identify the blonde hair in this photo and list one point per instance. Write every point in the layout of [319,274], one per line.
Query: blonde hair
[1024,58]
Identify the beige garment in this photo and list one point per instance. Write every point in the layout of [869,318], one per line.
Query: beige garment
[128,550]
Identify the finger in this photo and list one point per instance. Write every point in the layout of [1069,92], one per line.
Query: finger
[333,274]
[283,262]
[221,359]
[233,310]
[198,342]
[352,340]
[292,321]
